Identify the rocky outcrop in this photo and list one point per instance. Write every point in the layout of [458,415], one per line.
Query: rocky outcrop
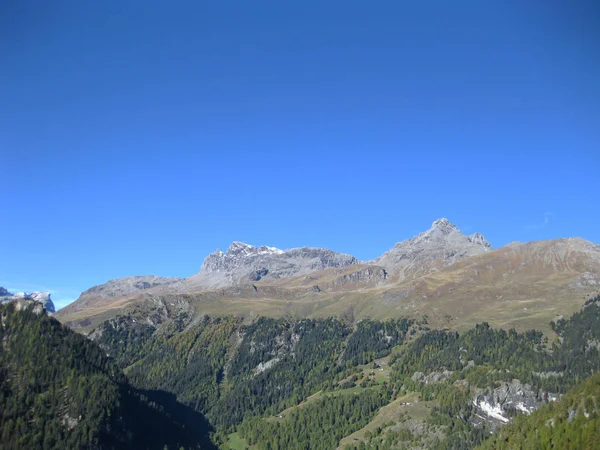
[499,405]
[243,263]
[22,298]
[355,277]
[440,246]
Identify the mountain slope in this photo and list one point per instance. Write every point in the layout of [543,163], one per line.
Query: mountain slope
[454,279]
[60,391]
[115,292]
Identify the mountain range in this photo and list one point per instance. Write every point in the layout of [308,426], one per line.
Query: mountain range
[438,343]
[451,278]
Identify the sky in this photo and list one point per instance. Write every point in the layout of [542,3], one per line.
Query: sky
[137,137]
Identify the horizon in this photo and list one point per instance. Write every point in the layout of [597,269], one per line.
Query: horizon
[139,140]
[62,303]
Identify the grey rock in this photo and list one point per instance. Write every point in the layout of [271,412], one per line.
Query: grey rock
[258,274]
[499,405]
[478,239]
[22,298]
[243,262]
[440,246]
[44,299]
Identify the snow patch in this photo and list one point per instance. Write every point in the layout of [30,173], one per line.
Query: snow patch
[494,411]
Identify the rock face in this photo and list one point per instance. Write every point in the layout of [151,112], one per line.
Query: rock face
[41,298]
[243,263]
[500,404]
[440,246]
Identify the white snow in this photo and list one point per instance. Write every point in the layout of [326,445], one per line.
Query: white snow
[521,407]
[491,410]
[266,250]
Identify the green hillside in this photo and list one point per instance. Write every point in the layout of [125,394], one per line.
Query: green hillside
[58,390]
[259,380]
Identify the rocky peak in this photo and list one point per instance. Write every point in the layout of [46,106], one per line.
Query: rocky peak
[240,248]
[42,298]
[478,239]
[243,263]
[441,245]
[443,225]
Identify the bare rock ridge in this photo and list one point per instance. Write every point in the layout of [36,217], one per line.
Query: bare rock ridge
[244,263]
[440,246]
[40,298]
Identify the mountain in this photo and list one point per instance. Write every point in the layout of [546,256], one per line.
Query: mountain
[454,279]
[59,390]
[41,298]
[114,292]
[440,246]
[243,263]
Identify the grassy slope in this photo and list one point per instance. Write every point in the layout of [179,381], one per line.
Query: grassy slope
[393,412]
[505,296]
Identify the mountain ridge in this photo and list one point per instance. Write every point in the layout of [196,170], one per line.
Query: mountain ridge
[441,272]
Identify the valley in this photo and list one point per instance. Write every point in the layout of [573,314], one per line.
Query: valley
[438,344]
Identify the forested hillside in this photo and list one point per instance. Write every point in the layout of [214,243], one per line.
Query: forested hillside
[58,390]
[230,371]
[285,383]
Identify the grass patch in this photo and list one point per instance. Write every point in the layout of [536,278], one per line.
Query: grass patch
[235,442]
[407,407]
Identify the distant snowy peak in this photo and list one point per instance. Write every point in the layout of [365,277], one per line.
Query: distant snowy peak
[236,255]
[240,248]
[42,298]
[243,262]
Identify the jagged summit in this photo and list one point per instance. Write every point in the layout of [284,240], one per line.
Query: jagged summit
[443,224]
[42,298]
[246,263]
[238,247]
[477,238]
[441,245]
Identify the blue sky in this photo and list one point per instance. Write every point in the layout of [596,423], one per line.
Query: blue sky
[137,137]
